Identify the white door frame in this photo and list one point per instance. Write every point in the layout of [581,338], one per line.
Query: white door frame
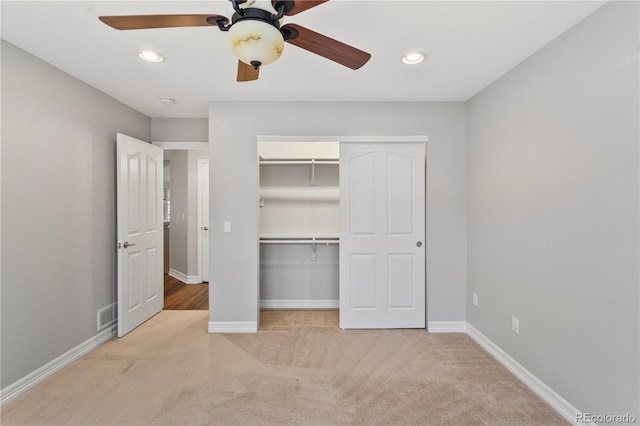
[203,220]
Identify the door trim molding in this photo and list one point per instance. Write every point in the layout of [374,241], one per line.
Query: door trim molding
[32,379]
[201,220]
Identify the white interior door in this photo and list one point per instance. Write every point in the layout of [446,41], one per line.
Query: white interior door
[382,234]
[203,219]
[140,232]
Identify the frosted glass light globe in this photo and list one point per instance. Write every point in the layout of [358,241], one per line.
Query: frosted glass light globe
[253,40]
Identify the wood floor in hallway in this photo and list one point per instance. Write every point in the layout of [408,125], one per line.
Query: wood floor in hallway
[179,296]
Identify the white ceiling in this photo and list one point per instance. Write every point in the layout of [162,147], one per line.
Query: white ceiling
[469,45]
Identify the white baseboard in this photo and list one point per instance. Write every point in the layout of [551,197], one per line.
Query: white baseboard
[17,388]
[232,327]
[447,326]
[187,279]
[564,408]
[299,304]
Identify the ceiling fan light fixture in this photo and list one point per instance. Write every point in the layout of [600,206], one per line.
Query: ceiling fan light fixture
[150,56]
[413,58]
[255,41]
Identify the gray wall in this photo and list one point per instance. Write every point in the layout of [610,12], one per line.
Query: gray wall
[178,233]
[234,190]
[553,212]
[58,209]
[287,272]
[179,130]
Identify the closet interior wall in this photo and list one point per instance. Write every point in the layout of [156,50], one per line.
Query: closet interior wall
[299,225]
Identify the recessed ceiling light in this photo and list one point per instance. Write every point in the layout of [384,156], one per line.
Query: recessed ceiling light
[150,56]
[413,58]
[166,100]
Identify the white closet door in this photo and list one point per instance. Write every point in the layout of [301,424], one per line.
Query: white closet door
[382,234]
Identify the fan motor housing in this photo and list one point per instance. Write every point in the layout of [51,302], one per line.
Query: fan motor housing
[255,14]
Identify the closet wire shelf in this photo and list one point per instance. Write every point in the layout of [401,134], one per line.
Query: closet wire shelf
[313,162]
[311,240]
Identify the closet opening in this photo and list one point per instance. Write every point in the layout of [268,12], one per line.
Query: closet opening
[299,227]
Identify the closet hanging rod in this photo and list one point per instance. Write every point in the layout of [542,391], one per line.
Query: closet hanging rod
[316,161]
[299,241]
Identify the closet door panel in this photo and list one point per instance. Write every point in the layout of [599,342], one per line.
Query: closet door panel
[400,194]
[382,222]
[362,187]
[400,273]
[363,275]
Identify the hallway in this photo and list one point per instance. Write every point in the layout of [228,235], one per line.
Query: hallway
[179,296]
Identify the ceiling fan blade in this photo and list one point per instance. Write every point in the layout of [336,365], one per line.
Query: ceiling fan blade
[138,22]
[247,72]
[327,47]
[301,5]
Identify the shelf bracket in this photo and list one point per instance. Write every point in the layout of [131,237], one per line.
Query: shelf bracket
[313,172]
[314,251]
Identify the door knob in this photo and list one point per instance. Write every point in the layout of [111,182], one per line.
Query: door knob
[419,244]
[205,228]
[128,244]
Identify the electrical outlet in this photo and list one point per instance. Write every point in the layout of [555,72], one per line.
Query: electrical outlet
[515,325]
[475,299]
[227,227]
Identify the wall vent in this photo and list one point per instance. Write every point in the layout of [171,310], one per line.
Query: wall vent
[107,316]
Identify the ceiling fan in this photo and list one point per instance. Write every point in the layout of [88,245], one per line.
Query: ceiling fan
[256,36]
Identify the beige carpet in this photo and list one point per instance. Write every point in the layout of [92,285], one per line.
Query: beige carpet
[300,369]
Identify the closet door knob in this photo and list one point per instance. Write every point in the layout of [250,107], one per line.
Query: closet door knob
[128,244]
[205,228]
[419,244]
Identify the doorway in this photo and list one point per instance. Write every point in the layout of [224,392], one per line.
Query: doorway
[185,219]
